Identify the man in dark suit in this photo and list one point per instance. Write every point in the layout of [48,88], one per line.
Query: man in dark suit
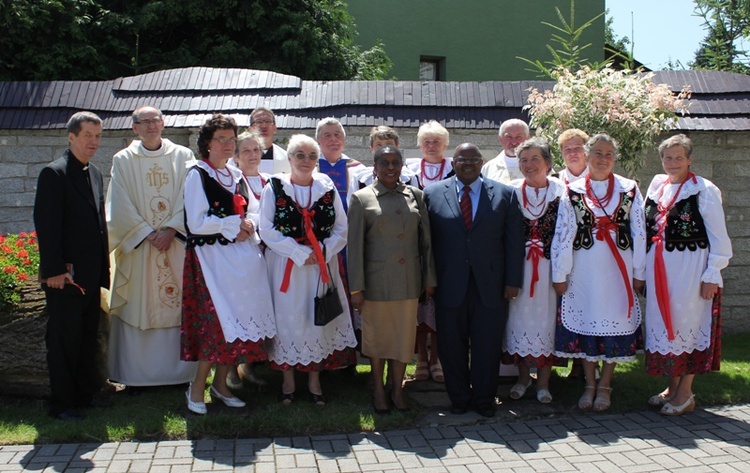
[478,244]
[74,264]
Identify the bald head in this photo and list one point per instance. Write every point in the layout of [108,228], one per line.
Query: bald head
[467,163]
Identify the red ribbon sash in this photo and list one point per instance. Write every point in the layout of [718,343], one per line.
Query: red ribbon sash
[661,286]
[312,241]
[535,253]
[603,227]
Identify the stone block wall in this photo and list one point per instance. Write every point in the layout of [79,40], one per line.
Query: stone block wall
[721,157]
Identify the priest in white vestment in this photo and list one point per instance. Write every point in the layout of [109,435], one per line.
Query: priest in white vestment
[504,167]
[145,219]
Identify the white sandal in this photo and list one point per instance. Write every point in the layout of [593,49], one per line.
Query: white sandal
[587,399]
[519,390]
[543,396]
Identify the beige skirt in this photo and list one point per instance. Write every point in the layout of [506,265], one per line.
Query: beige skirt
[389,329]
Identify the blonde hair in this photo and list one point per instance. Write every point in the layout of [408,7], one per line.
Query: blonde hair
[433,128]
[569,134]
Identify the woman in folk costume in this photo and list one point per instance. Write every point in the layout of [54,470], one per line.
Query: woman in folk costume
[227,309]
[247,159]
[688,246]
[530,331]
[303,223]
[431,168]
[598,266]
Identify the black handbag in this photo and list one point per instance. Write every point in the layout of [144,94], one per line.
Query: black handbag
[328,306]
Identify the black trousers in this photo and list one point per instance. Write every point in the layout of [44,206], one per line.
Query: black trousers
[473,328]
[71,346]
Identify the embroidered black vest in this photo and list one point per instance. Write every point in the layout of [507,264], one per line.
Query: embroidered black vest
[545,226]
[685,228]
[288,218]
[220,204]
[586,221]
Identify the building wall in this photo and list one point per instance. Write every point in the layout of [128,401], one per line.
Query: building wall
[720,157]
[480,39]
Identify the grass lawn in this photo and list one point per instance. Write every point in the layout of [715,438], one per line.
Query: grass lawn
[160,413]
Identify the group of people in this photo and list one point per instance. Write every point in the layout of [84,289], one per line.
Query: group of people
[226,261]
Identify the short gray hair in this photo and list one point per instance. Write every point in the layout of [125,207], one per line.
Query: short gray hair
[601,137]
[513,122]
[297,141]
[536,143]
[137,112]
[677,140]
[75,122]
[328,121]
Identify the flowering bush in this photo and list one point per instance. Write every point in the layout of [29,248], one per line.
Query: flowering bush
[626,105]
[19,262]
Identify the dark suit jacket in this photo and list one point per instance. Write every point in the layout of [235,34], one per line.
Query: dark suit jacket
[492,249]
[70,223]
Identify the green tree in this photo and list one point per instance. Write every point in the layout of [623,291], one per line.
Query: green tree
[565,48]
[728,22]
[101,39]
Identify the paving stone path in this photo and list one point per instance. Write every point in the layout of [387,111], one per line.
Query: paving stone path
[711,439]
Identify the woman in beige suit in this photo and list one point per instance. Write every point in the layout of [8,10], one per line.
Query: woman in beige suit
[390,264]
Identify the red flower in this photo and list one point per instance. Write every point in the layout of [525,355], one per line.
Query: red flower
[280,202]
[6,249]
[20,243]
[23,234]
[10,270]
[22,254]
[23,277]
[327,199]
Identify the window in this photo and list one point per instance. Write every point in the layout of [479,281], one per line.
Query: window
[431,68]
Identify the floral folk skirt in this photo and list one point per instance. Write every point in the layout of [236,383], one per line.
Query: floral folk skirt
[537,362]
[610,349]
[695,362]
[202,338]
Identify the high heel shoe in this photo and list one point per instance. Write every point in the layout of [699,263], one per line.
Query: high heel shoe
[196,407]
[229,401]
[671,410]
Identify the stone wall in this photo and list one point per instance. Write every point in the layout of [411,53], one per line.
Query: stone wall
[721,157]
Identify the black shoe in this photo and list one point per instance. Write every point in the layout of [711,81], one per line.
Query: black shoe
[486,410]
[286,398]
[69,415]
[385,411]
[459,409]
[318,399]
[399,409]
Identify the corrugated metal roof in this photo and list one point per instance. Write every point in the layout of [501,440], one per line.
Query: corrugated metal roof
[720,101]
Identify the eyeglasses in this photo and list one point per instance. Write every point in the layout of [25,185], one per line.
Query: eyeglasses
[225,141]
[303,156]
[148,121]
[263,121]
[468,159]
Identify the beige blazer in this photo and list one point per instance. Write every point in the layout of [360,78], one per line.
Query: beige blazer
[389,250]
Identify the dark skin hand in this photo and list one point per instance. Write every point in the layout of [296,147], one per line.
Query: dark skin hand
[511,292]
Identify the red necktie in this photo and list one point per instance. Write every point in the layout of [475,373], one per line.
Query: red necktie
[466,207]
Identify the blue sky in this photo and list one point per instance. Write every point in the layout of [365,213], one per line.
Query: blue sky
[661,29]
